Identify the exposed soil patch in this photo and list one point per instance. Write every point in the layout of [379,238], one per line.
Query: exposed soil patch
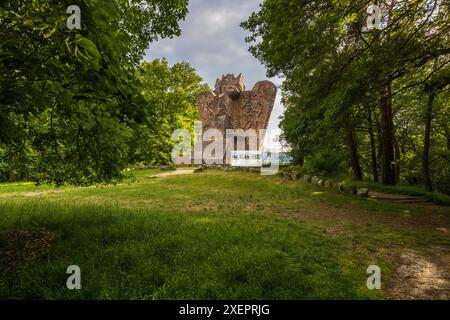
[30,193]
[39,193]
[173,173]
[421,277]
[416,275]
[432,218]
[21,246]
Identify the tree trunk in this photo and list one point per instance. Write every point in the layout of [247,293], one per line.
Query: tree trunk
[448,140]
[299,160]
[353,146]
[373,147]
[380,143]
[387,141]
[426,143]
[397,160]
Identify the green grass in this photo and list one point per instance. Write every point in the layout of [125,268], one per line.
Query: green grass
[126,254]
[212,235]
[31,186]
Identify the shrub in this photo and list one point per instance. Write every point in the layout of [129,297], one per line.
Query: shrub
[323,164]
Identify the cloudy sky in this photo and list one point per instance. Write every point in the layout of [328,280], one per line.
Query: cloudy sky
[214,44]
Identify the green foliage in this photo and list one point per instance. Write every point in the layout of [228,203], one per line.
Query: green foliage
[170,94]
[340,81]
[323,164]
[441,174]
[70,99]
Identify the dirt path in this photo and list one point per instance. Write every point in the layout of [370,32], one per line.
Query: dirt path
[426,217]
[173,173]
[418,273]
[417,276]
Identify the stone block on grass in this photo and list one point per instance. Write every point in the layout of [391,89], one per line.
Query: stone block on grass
[295,176]
[287,175]
[363,192]
[199,169]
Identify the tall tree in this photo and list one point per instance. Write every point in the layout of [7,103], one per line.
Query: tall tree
[170,93]
[71,96]
[332,61]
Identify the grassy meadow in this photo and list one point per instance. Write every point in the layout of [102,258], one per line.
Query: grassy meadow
[209,235]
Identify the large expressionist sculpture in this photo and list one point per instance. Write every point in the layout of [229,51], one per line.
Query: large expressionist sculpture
[231,107]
